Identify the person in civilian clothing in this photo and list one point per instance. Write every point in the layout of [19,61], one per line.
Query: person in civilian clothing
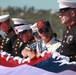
[47,43]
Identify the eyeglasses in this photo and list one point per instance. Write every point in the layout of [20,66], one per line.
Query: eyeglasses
[45,30]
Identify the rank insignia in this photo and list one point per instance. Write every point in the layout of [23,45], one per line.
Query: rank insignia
[69,39]
[20,44]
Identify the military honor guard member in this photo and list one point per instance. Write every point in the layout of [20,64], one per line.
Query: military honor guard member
[24,37]
[9,36]
[67,14]
[18,22]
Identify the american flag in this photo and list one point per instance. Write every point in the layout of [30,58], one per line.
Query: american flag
[48,65]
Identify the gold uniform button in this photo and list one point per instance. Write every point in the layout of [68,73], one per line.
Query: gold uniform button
[4,37]
[15,48]
[69,27]
[15,52]
[27,45]
[67,31]
[62,46]
[16,45]
[61,51]
[12,46]
[2,40]
[65,36]
[63,41]
[17,42]
[2,43]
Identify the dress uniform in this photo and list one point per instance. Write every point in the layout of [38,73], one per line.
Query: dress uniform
[9,36]
[69,43]
[19,43]
[69,36]
[17,47]
[18,22]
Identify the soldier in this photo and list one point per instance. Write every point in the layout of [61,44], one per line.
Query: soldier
[67,14]
[18,22]
[9,36]
[24,37]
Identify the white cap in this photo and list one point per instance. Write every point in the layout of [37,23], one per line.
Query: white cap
[66,4]
[23,27]
[4,18]
[34,27]
[18,21]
